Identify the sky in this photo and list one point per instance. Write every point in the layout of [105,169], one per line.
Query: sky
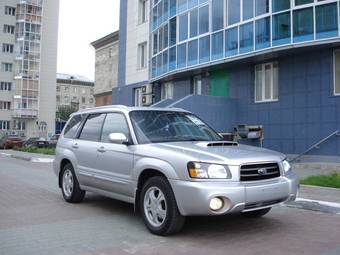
[80,23]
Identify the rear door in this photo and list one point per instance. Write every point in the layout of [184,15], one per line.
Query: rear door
[85,148]
[115,160]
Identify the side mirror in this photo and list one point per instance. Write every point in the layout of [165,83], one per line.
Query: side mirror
[118,138]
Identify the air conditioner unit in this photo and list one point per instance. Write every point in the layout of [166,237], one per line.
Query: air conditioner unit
[146,90]
[147,100]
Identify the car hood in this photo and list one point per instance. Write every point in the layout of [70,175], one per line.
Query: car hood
[226,152]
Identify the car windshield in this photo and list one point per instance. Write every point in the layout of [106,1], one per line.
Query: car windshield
[170,126]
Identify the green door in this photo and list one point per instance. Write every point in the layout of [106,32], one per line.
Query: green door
[219,83]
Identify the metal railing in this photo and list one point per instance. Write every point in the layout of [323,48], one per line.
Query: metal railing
[316,145]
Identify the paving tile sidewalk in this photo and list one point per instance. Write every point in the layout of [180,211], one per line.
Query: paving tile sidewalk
[34,157]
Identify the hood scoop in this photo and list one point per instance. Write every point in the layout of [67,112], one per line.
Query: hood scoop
[217,144]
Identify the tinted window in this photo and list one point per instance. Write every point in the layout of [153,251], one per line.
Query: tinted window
[114,123]
[92,127]
[181,55]
[72,127]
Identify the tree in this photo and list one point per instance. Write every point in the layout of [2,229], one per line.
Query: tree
[64,112]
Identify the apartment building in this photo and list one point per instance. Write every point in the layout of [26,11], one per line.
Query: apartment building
[28,59]
[273,63]
[75,91]
[106,67]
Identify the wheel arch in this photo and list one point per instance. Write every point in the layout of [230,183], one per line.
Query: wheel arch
[63,163]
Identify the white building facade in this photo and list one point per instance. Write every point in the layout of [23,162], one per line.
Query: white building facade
[28,38]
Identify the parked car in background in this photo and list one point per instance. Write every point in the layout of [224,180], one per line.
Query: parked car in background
[54,139]
[39,142]
[9,142]
[169,164]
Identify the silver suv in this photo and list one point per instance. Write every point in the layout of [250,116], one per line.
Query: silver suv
[169,164]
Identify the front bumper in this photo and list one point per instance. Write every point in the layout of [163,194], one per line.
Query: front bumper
[193,197]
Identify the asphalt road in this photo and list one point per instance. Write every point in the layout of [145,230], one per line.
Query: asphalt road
[34,219]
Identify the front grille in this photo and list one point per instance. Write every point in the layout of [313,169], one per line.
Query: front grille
[262,204]
[256,172]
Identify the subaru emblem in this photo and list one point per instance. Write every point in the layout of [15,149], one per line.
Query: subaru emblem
[262,171]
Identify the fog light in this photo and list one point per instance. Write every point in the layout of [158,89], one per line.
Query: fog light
[216,204]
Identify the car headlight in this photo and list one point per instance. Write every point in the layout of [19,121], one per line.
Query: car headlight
[286,166]
[200,170]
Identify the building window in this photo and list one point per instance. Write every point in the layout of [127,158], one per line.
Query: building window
[204,49]
[181,55]
[246,38]
[193,53]
[8,29]
[165,61]
[172,58]
[182,5]
[6,86]
[300,2]
[83,100]
[197,85]
[203,19]
[266,82]
[19,125]
[142,13]
[10,10]
[262,36]
[4,125]
[193,23]
[234,11]
[248,9]
[167,91]
[74,90]
[183,27]
[231,41]
[172,27]
[142,55]
[217,10]
[58,88]
[303,25]
[5,105]
[281,29]
[337,72]
[7,48]
[326,21]
[261,7]
[66,100]
[6,67]
[166,36]
[280,5]
[217,45]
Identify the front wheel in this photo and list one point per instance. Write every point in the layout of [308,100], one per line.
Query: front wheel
[70,186]
[256,213]
[159,208]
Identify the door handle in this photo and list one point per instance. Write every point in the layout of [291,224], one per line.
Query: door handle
[75,146]
[101,149]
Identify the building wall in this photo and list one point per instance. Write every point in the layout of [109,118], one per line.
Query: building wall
[102,100]
[106,69]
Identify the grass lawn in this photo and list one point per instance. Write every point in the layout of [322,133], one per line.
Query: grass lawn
[46,151]
[332,180]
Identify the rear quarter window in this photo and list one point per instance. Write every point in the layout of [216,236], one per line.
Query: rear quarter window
[71,129]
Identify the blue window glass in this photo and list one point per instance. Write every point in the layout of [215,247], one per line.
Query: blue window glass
[183,27]
[231,42]
[262,36]
[280,5]
[165,61]
[217,10]
[181,55]
[182,5]
[204,49]
[248,9]
[246,38]
[261,7]
[153,70]
[193,23]
[203,1]
[281,29]
[303,25]
[160,12]
[192,3]
[172,58]
[204,19]
[159,65]
[172,27]
[166,10]
[166,36]
[160,39]
[300,2]
[234,11]
[173,8]
[155,2]
[155,42]
[326,21]
[193,53]
[217,45]
[154,18]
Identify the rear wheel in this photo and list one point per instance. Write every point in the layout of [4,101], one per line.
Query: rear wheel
[70,186]
[159,208]
[256,213]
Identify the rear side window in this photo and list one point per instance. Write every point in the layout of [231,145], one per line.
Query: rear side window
[92,127]
[114,123]
[72,127]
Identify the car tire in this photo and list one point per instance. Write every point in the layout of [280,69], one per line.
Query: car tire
[256,213]
[70,185]
[159,208]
